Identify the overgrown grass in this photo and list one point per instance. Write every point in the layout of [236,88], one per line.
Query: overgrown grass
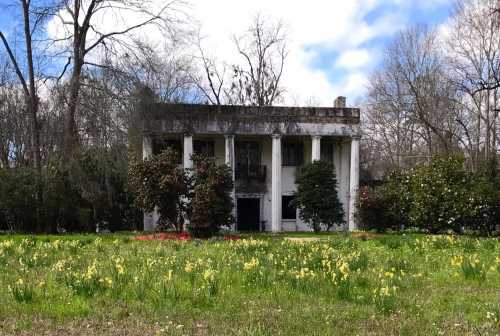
[260,285]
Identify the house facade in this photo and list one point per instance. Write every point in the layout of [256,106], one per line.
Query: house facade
[264,147]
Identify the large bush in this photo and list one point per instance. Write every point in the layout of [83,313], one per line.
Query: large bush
[201,194]
[439,195]
[387,207]
[435,197]
[90,190]
[160,183]
[210,204]
[316,196]
[17,199]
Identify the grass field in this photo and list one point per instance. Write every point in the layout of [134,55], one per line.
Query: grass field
[268,285]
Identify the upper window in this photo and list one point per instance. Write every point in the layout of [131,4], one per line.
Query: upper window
[248,153]
[292,153]
[288,211]
[204,147]
[327,149]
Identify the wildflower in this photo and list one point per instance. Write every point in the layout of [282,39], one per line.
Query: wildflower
[491,316]
[253,263]
[457,260]
[168,275]
[189,267]
[120,269]
[389,275]
[209,275]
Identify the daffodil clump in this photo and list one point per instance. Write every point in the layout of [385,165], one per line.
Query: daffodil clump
[385,275]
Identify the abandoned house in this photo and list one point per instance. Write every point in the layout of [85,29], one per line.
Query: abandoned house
[264,146]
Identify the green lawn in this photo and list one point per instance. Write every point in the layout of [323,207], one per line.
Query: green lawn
[265,285]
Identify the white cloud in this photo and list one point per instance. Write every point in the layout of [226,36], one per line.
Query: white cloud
[317,29]
[353,59]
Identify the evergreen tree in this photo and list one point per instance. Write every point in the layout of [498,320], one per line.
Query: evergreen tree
[316,196]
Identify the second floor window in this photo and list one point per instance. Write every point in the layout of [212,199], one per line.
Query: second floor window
[204,147]
[327,149]
[292,153]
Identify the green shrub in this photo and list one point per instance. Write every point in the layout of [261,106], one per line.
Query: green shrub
[435,197]
[17,199]
[439,195]
[159,182]
[316,196]
[211,205]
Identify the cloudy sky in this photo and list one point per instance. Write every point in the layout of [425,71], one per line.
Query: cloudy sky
[334,44]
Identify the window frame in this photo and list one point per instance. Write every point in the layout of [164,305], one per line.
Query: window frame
[298,157]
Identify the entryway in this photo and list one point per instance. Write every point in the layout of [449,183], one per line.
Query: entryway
[248,214]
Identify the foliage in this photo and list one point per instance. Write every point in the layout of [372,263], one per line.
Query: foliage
[112,280]
[17,196]
[160,183]
[374,211]
[91,190]
[439,195]
[316,196]
[210,204]
[434,197]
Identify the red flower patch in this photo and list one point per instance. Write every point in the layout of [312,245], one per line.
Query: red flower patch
[176,236]
[165,236]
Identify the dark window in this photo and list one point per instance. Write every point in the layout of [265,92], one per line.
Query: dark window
[248,165]
[204,147]
[247,153]
[327,149]
[292,153]
[288,211]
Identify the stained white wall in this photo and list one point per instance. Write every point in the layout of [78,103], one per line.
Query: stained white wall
[341,160]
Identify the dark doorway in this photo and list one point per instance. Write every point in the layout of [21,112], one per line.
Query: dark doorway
[248,214]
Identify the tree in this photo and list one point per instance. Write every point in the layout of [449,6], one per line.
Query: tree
[32,20]
[256,80]
[159,183]
[264,51]
[211,204]
[86,39]
[316,196]
[412,107]
[474,64]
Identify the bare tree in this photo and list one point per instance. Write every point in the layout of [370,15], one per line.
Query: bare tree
[89,40]
[264,50]
[411,108]
[474,60]
[257,79]
[212,80]
[32,19]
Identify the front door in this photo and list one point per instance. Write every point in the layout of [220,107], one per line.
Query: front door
[248,213]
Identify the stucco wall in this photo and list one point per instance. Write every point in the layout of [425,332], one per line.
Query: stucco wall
[341,160]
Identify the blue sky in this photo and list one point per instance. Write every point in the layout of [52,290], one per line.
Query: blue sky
[334,44]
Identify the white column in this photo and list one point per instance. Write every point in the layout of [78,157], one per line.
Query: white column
[337,160]
[353,182]
[276,184]
[149,219]
[188,151]
[316,148]
[229,160]
[345,168]
[147,147]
